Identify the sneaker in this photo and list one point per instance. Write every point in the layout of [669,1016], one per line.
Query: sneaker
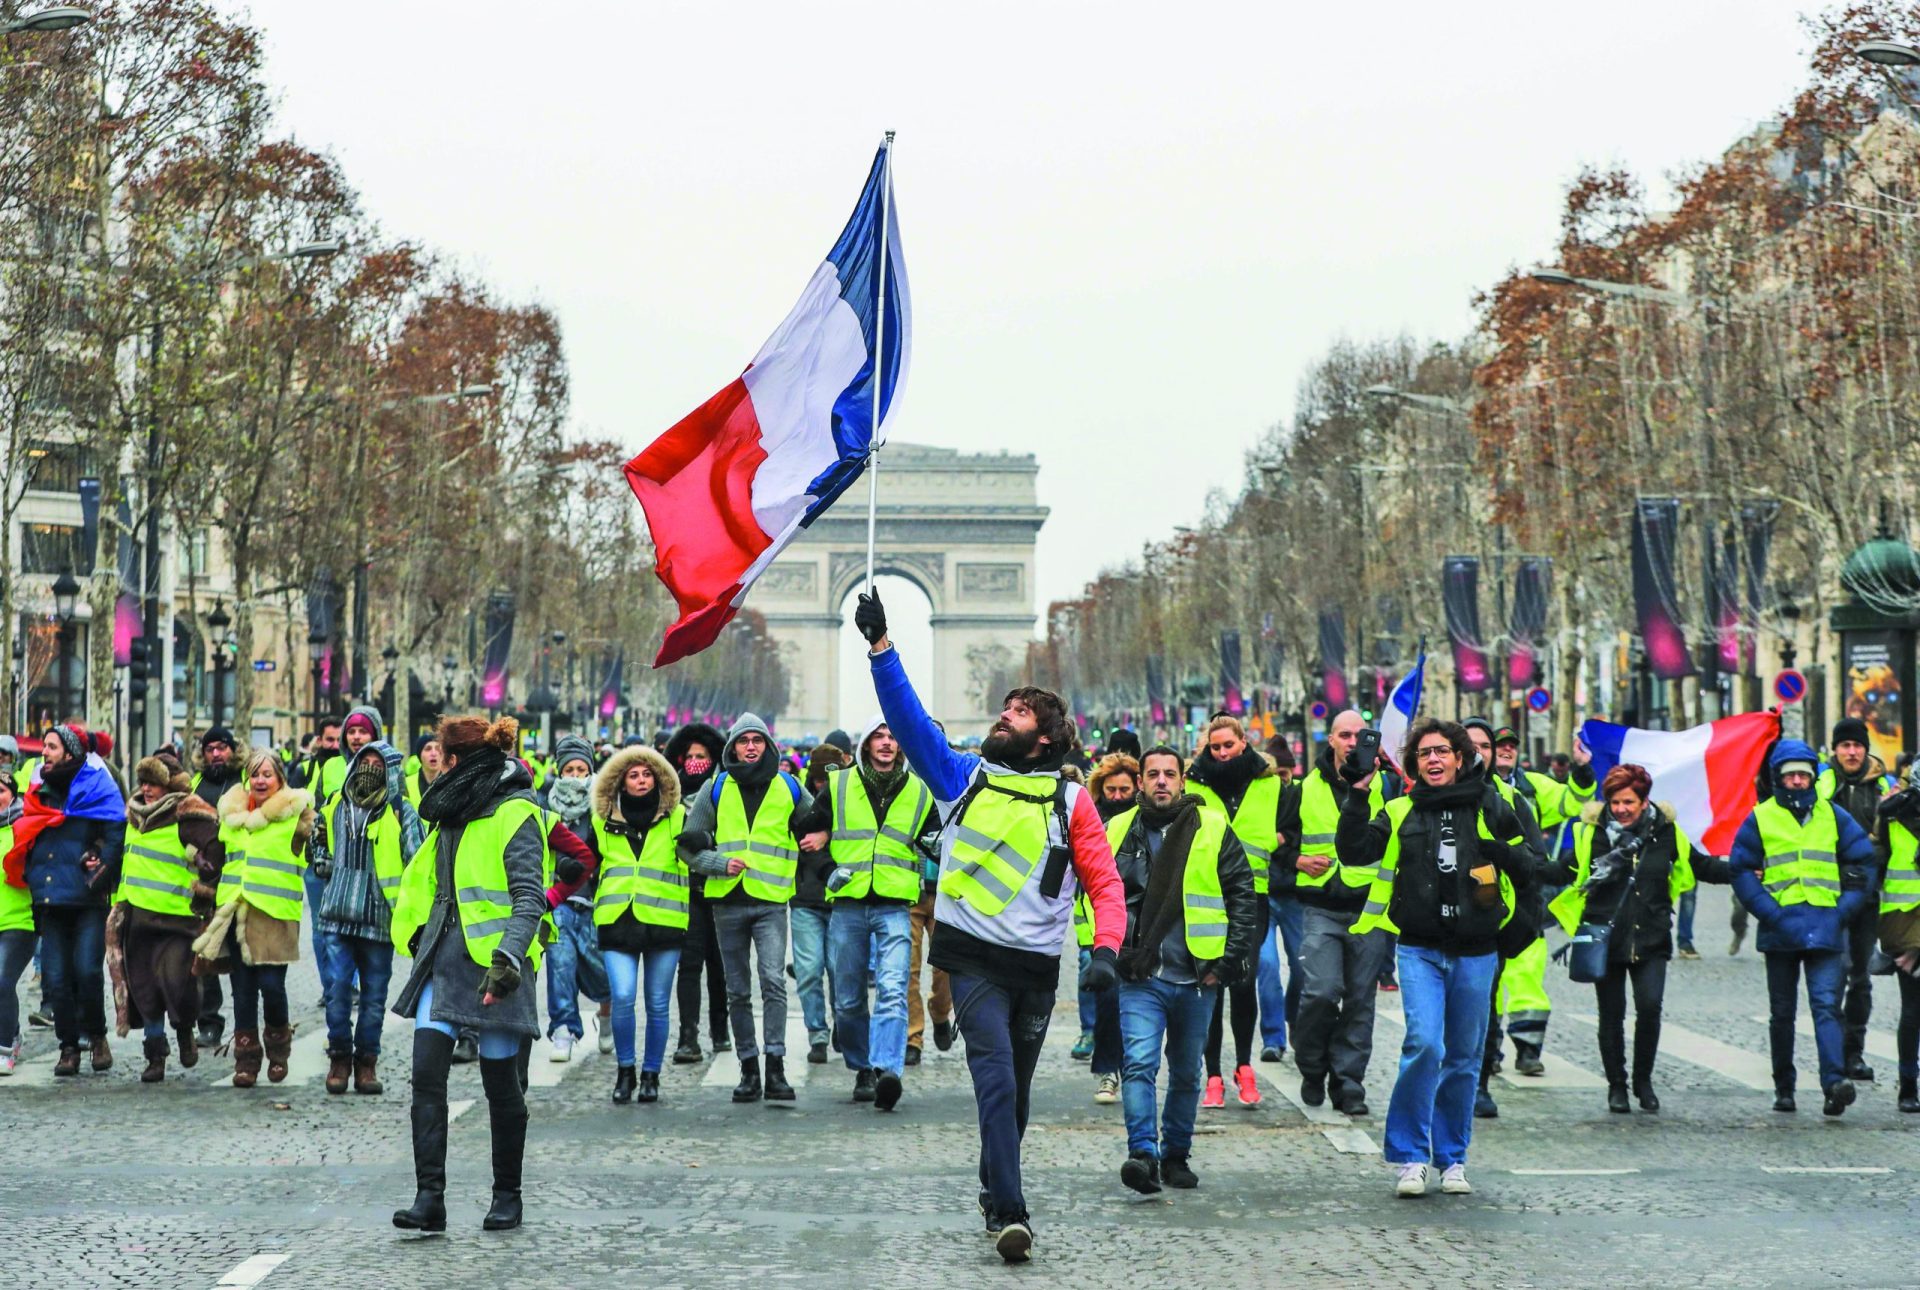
[1688,952]
[1216,1093]
[1390,986]
[1273,1053]
[1839,1097]
[561,1046]
[1454,1181]
[1245,1085]
[1015,1242]
[9,1058]
[1484,1107]
[816,1054]
[1141,1173]
[1739,935]
[41,1018]
[603,1039]
[1083,1049]
[1107,1091]
[1412,1181]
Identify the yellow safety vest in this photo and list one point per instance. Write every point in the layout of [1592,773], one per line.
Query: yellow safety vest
[264,868]
[1902,888]
[653,884]
[1570,906]
[879,853]
[999,842]
[383,840]
[1380,894]
[481,897]
[1083,920]
[1203,908]
[1255,822]
[1320,821]
[16,903]
[1802,864]
[765,843]
[155,875]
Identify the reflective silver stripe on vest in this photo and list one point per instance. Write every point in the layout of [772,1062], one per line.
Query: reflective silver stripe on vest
[618,871]
[388,886]
[154,884]
[895,862]
[1819,855]
[1205,929]
[853,835]
[1255,850]
[486,927]
[165,857]
[1207,902]
[466,894]
[277,866]
[759,849]
[1312,839]
[975,870]
[772,879]
[1818,884]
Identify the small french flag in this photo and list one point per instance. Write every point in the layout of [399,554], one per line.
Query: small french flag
[1402,706]
[729,486]
[1707,772]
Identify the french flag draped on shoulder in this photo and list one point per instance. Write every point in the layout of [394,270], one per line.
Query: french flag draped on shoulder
[1402,706]
[1706,772]
[727,488]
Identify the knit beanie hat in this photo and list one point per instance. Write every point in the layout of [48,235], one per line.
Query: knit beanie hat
[1849,730]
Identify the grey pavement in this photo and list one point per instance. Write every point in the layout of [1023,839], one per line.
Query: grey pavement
[195,1184]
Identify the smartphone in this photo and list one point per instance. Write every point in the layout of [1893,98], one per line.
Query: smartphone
[1366,749]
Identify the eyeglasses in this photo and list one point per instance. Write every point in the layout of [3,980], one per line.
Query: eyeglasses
[1428,754]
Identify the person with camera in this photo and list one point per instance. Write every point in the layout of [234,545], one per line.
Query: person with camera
[1017,843]
[1339,968]
[1803,867]
[861,833]
[1450,865]
[1192,920]
[1629,865]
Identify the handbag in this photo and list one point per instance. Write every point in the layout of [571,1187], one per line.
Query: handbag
[1587,951]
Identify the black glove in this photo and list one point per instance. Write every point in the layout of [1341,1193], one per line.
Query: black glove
[1352,771]
[870,616]
[503,978]
[1102,971]
[569,870]
[1630,844]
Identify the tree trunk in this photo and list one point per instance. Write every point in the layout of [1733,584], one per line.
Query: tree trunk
[102,589]
[243,673]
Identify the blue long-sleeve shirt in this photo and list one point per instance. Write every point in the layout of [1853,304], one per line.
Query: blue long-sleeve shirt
[1791,928]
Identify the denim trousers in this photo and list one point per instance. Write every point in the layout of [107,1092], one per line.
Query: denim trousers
[1689,901]
[1004,1029]
[1826,980]
[495,1045]
[373,960]
[574,967]
[1105,1024]
[1156,1014]
[16,951]
[258,990]
[1278,1007]
[1446,998]
[813,968]
[73,969]
[858,933]
[753,935]
[623,978]
[322,941]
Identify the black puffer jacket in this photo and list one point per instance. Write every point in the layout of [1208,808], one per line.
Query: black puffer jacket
[1637,900]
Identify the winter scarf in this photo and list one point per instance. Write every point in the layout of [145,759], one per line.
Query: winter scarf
[464,792]
[1162,905]
[148,816]
[1107,809]
[639,812]
[882,785]
[571,799]
[91,795]
[1229,778]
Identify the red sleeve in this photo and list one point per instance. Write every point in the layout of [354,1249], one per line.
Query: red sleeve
[563,839]
[1093,865]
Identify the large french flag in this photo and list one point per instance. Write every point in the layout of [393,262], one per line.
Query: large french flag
[729,486]
[1706,772]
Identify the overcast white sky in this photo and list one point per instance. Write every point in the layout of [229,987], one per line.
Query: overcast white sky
[1129,228]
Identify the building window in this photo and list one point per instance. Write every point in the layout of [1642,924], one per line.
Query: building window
[50,548]
[197,553]
[58,467]
[56,670]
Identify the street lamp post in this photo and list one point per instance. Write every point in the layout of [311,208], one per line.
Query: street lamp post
[59,18]
[448,666]
[316,651]
[66,591]
[218,623]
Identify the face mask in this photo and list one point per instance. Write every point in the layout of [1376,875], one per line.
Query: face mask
[698,765]
[367,785]
[569,796]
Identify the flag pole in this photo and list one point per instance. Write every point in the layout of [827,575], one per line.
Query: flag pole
[879,343]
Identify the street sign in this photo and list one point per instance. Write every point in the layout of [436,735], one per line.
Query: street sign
[1318,711]
[1539,699]
[264,665]
[1790,686]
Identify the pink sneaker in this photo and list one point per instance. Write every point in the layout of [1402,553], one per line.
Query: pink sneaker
[1244,1083]
[1216,1096]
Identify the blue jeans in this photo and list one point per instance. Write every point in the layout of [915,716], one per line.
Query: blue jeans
[858,932]
[623,978]
[1826,980]
[322,941]
[574,967]
[808,932]
[1152,1014]
[1446,999]
[495,1045]
[1277,1007]
[1004,1030]
[16,951]
[1689,900]
[1105,1024]
[73,969]
[373,960]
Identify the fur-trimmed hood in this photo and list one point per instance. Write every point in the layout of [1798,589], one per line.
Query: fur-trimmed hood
[176,807]
[285,803]
[606,785]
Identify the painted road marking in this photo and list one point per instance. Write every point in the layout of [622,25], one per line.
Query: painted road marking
[1879,1044]
[252,1272]
[544,1072]
[1736,1064]
[1572,1173]
[1334,1125]
[727,1074]
[458,1108]
[1826,1169]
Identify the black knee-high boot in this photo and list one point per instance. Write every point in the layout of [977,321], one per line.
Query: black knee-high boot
[432,1056]
[507,1112]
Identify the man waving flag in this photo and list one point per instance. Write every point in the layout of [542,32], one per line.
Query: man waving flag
[730,485]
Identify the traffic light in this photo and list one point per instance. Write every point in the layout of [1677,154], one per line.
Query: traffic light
[139,667]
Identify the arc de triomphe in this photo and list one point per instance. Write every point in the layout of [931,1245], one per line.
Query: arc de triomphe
[961,527]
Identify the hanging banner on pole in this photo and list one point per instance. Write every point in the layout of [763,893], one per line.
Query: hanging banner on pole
[1656,599]
[493,673]
[1460,598]
[1333,656]
[1527,622]
[1230,691]
[1157,688]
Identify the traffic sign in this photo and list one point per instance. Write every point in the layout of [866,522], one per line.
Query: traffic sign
[1318,711]
[1539,699]
[1790,686]
[264,665]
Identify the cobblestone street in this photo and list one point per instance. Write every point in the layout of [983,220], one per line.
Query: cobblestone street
[194,1184]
